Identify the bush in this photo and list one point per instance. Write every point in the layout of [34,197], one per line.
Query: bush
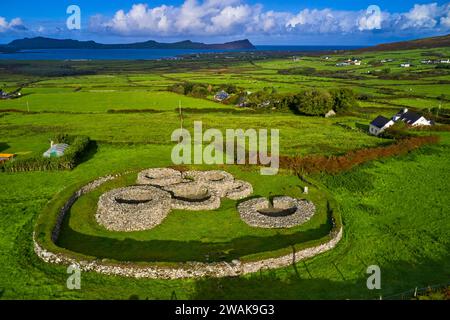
[397,131]
[201,90]
[313,102]
[78,145]
[344,99]
[229,88]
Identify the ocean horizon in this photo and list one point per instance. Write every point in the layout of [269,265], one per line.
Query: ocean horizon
[148,54]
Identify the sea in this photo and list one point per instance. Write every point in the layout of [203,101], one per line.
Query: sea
[146,54]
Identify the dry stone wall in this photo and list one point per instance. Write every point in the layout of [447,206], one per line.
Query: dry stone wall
[188,269]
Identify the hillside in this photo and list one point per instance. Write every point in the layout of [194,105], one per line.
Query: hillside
[425,43]
[49,43]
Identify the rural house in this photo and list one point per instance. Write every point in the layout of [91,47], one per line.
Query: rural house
[12,95]
[411,118]
[220,96]
[380,124]
[349,62]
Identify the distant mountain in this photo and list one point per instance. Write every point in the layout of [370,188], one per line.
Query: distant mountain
[48,43]
[425,43]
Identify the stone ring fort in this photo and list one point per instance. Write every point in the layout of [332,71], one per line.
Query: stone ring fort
[158,191]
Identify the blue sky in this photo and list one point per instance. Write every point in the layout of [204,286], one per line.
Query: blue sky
[301,22]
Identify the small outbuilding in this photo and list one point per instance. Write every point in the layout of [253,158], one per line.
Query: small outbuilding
[330,113]
[6,157]
[56,150]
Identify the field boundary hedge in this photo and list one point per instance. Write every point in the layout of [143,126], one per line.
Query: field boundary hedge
[336,164]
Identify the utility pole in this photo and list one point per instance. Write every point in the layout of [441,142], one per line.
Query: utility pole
[181,119]
[181,115]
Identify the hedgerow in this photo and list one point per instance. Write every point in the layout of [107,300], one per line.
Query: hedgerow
[73,155]
[336,164]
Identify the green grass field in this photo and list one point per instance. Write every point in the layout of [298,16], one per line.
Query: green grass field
[395,212]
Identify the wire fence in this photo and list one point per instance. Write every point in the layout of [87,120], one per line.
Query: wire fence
[407,295]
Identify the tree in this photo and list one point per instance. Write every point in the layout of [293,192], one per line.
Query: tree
[313,102]
[344,99]
[199,91]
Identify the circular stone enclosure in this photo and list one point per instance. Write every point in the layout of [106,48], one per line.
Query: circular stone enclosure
[193,196]
[219,181]
[133,208]
[159,177]
[285,212]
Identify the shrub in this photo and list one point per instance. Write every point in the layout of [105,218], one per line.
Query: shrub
[177,88]
[397,131]
[344,99]
[313,102]
[199,91]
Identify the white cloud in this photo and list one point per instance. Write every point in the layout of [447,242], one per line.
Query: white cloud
[236,17]
[421,16]
[445,21]
[15,24]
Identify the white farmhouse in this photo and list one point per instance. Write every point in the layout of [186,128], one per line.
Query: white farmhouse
[380,124]
[411,118]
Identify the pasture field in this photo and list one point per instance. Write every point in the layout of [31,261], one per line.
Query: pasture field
[395,212]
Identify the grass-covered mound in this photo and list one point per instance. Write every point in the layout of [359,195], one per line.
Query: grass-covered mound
[207,236]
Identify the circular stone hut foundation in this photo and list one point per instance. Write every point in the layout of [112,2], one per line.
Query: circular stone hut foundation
[159,177]
[133,208]
[285,212]
[239,189]
[193,196]
[160,190]
[219,181]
